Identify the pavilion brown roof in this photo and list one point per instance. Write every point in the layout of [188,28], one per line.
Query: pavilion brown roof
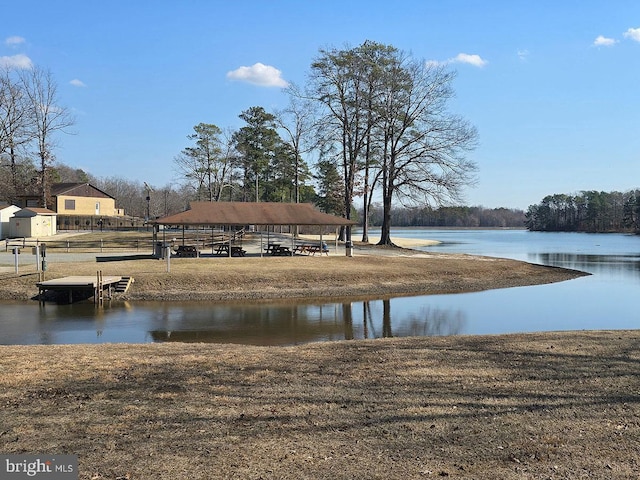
[252,213]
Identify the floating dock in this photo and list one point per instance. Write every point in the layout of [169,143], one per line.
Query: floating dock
[98,284]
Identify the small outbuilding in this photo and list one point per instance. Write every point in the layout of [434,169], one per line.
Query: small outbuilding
[33,222]
[6,212]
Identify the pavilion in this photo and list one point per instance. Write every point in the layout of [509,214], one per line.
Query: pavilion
[258,214]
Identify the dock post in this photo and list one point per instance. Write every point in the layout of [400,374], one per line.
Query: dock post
[99,292]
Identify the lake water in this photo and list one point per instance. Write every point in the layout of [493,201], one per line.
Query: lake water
[608,299]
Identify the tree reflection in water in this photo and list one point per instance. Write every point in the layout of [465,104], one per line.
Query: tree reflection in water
[258,324]
[429,322]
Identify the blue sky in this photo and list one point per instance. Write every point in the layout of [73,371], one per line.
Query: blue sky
[552,86]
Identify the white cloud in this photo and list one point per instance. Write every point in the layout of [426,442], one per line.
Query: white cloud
[19,61]
[474,60]
[523,54]
[633,34]
[15,40]
[602,41]
[259,74]
[77,83]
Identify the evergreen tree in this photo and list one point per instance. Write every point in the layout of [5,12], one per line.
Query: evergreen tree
[257,143]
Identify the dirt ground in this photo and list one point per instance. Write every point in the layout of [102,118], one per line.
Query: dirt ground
[537,406]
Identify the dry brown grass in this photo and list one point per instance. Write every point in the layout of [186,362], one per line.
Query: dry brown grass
[557,405]
[300,276]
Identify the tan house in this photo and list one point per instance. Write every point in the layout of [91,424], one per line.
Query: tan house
[33,222]
[77,199]
[80,206]
[83,199]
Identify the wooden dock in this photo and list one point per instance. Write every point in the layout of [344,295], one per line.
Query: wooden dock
[98,285]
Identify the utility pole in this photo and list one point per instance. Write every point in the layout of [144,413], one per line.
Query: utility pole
[148,215]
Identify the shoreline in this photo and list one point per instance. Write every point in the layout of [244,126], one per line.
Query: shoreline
[373,272]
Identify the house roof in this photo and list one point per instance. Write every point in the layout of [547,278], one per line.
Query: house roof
[252,213]
[77,190]
[33,211]
[5,206]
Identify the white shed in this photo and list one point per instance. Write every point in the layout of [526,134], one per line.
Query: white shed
[33,222]
[6,212]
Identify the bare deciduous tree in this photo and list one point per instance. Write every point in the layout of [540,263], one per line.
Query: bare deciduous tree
[337,84]
[16,130]
[298,121]
[424,145]
[47,118]
[386,116]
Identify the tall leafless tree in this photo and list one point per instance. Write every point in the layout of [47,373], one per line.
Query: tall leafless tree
[337,84]
[16,130]
[48,118]
[386,115]
[424,145]
[298,121]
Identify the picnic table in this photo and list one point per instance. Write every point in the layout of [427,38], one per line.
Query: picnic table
[277,249]
[187,251]
[311,248]
[223,249]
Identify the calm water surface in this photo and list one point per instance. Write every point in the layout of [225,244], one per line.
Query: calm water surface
[605,300]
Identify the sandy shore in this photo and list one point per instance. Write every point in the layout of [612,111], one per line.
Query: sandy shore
[373,239]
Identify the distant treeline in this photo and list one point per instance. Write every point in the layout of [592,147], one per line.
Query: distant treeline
[588,211]
[451,217]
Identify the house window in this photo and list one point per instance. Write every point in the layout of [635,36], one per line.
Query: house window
[69,204]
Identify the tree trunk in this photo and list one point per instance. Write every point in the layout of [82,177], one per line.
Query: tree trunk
[365,217]
[43,181]
[385,233]
[387,197]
